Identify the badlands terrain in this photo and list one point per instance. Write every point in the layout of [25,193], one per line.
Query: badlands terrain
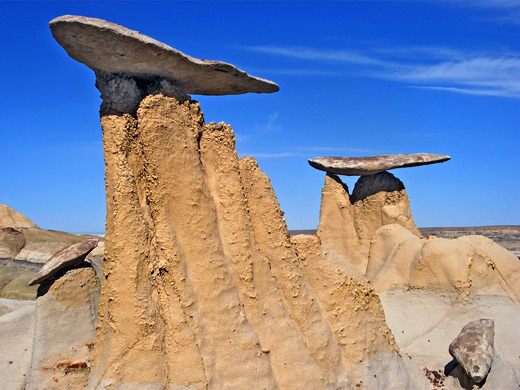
[506,236]
[198,284]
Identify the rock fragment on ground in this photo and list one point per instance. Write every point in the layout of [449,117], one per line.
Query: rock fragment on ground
[67,257]
[370,165]
[474,348]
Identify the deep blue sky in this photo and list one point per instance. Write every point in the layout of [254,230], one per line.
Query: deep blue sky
[356,78]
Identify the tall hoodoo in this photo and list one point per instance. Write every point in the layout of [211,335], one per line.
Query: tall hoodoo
[202,287]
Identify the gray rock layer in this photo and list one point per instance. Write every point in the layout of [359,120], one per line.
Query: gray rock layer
[370,165]
[474,348]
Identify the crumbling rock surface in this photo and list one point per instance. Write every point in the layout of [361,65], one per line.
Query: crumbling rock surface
[371,165]
[474,348]
[202,286]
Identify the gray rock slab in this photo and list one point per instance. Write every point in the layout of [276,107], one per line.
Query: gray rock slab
[69,256]
[110,48]
[370,165]
[474,348]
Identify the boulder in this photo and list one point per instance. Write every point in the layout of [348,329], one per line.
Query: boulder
[371,165]
[425,322]
[474,348]
[67,257]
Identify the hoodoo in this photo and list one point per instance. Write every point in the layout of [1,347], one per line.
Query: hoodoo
[202,286]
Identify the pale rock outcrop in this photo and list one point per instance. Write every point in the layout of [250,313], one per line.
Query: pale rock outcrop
[315,285]
[13,219]
[371,165]
[474,348]
[380,200]
[207,251]
[356,317]
[467,264]
[64,330]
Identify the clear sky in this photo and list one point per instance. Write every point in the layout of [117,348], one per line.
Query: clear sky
[356,78]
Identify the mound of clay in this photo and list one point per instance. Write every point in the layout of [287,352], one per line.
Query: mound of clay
[467,264]
[348,222]
[16,339]
[10,218]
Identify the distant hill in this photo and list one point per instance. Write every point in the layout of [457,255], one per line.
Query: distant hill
[13,219]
